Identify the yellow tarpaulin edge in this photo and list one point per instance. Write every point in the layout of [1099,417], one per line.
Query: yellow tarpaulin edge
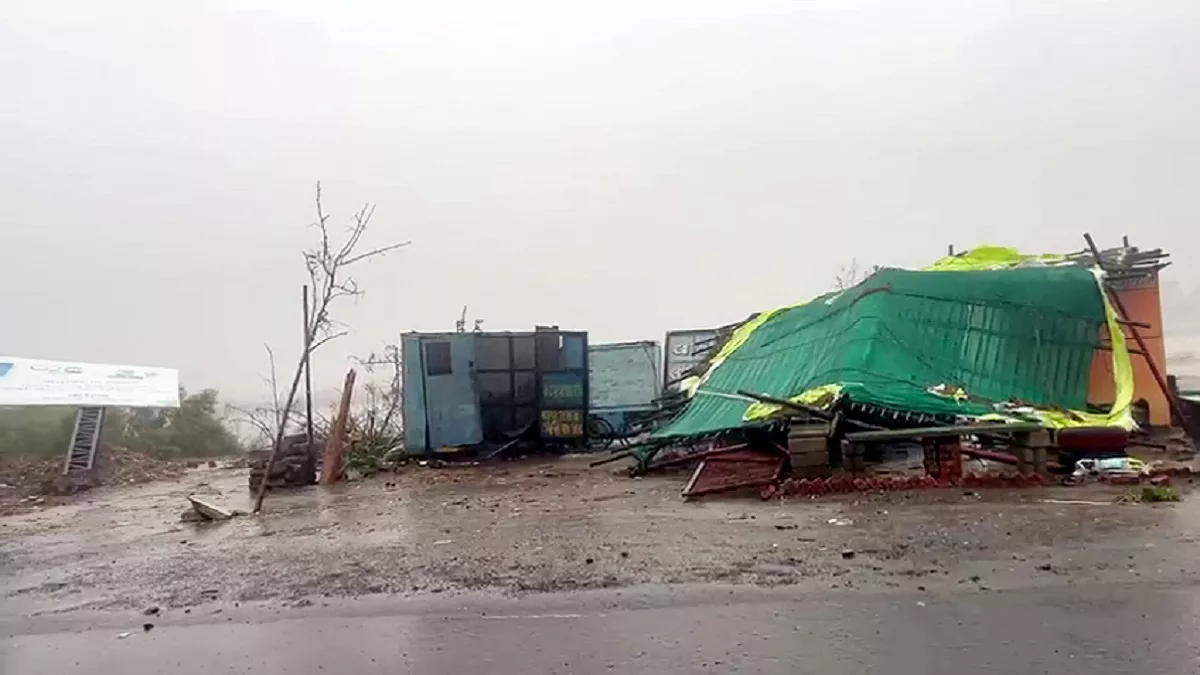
[818,397]
[735,341]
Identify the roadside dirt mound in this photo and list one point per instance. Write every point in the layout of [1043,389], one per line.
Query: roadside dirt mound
[26,475]
[26,481]
[119,466]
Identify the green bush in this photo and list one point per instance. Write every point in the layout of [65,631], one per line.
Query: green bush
[192,430]
[36,432]
[1160,493]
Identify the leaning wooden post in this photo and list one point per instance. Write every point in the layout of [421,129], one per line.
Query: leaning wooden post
[331,466]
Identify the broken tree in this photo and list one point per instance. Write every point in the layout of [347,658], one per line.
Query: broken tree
[327,265]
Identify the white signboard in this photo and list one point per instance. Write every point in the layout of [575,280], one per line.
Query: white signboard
[683,355]
[34,382]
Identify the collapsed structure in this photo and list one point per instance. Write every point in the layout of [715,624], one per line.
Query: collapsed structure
[1018,342]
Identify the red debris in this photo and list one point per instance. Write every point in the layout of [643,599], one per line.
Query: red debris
[735,470]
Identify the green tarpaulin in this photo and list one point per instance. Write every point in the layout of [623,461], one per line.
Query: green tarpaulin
[976,337]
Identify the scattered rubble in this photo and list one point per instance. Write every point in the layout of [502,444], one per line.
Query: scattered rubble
[295,466]
[544,531]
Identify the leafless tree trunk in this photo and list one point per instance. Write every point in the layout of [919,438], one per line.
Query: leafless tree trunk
[327,265]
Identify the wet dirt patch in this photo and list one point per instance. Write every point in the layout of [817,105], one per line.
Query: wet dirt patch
[546,527]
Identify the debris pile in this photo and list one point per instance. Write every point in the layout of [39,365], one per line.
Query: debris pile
[115,466]
[984,360]
[1128,471]
[844,484]
[29,476]
[24,478]
[295,466]
[119,466]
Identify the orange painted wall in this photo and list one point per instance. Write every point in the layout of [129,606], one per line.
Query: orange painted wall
[1141,300]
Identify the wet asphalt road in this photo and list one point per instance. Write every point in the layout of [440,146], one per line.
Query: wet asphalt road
[1086,629]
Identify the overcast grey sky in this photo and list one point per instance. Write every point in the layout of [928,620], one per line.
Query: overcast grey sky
[622,167]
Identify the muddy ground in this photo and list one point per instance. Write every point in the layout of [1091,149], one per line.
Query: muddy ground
[556,525]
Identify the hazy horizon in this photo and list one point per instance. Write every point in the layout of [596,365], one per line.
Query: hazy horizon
[623,168]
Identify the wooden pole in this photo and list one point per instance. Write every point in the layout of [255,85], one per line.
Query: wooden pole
[291,399]
[308,415]
[1133,330]
[800,407]
[331,468]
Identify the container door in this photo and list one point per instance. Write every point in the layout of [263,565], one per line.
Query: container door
[563,400]
[412,363]
[494,376]
[451,400]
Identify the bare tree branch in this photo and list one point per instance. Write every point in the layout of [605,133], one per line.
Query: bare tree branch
[328,338]
[327,273]
[379,251]
[277,415]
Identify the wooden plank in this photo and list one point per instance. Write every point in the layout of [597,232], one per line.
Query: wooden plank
[808,431]
[935,432]
[331,467]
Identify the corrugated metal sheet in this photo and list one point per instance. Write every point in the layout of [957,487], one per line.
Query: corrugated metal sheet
[1023,334]
[624,375]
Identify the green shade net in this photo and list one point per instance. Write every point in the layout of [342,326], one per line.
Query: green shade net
[1026,335]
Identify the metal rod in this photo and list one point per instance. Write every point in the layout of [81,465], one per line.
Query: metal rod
[308,403]
[1133,330]
[1139,324]
[1108,348]
[695,456]
[614,458]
